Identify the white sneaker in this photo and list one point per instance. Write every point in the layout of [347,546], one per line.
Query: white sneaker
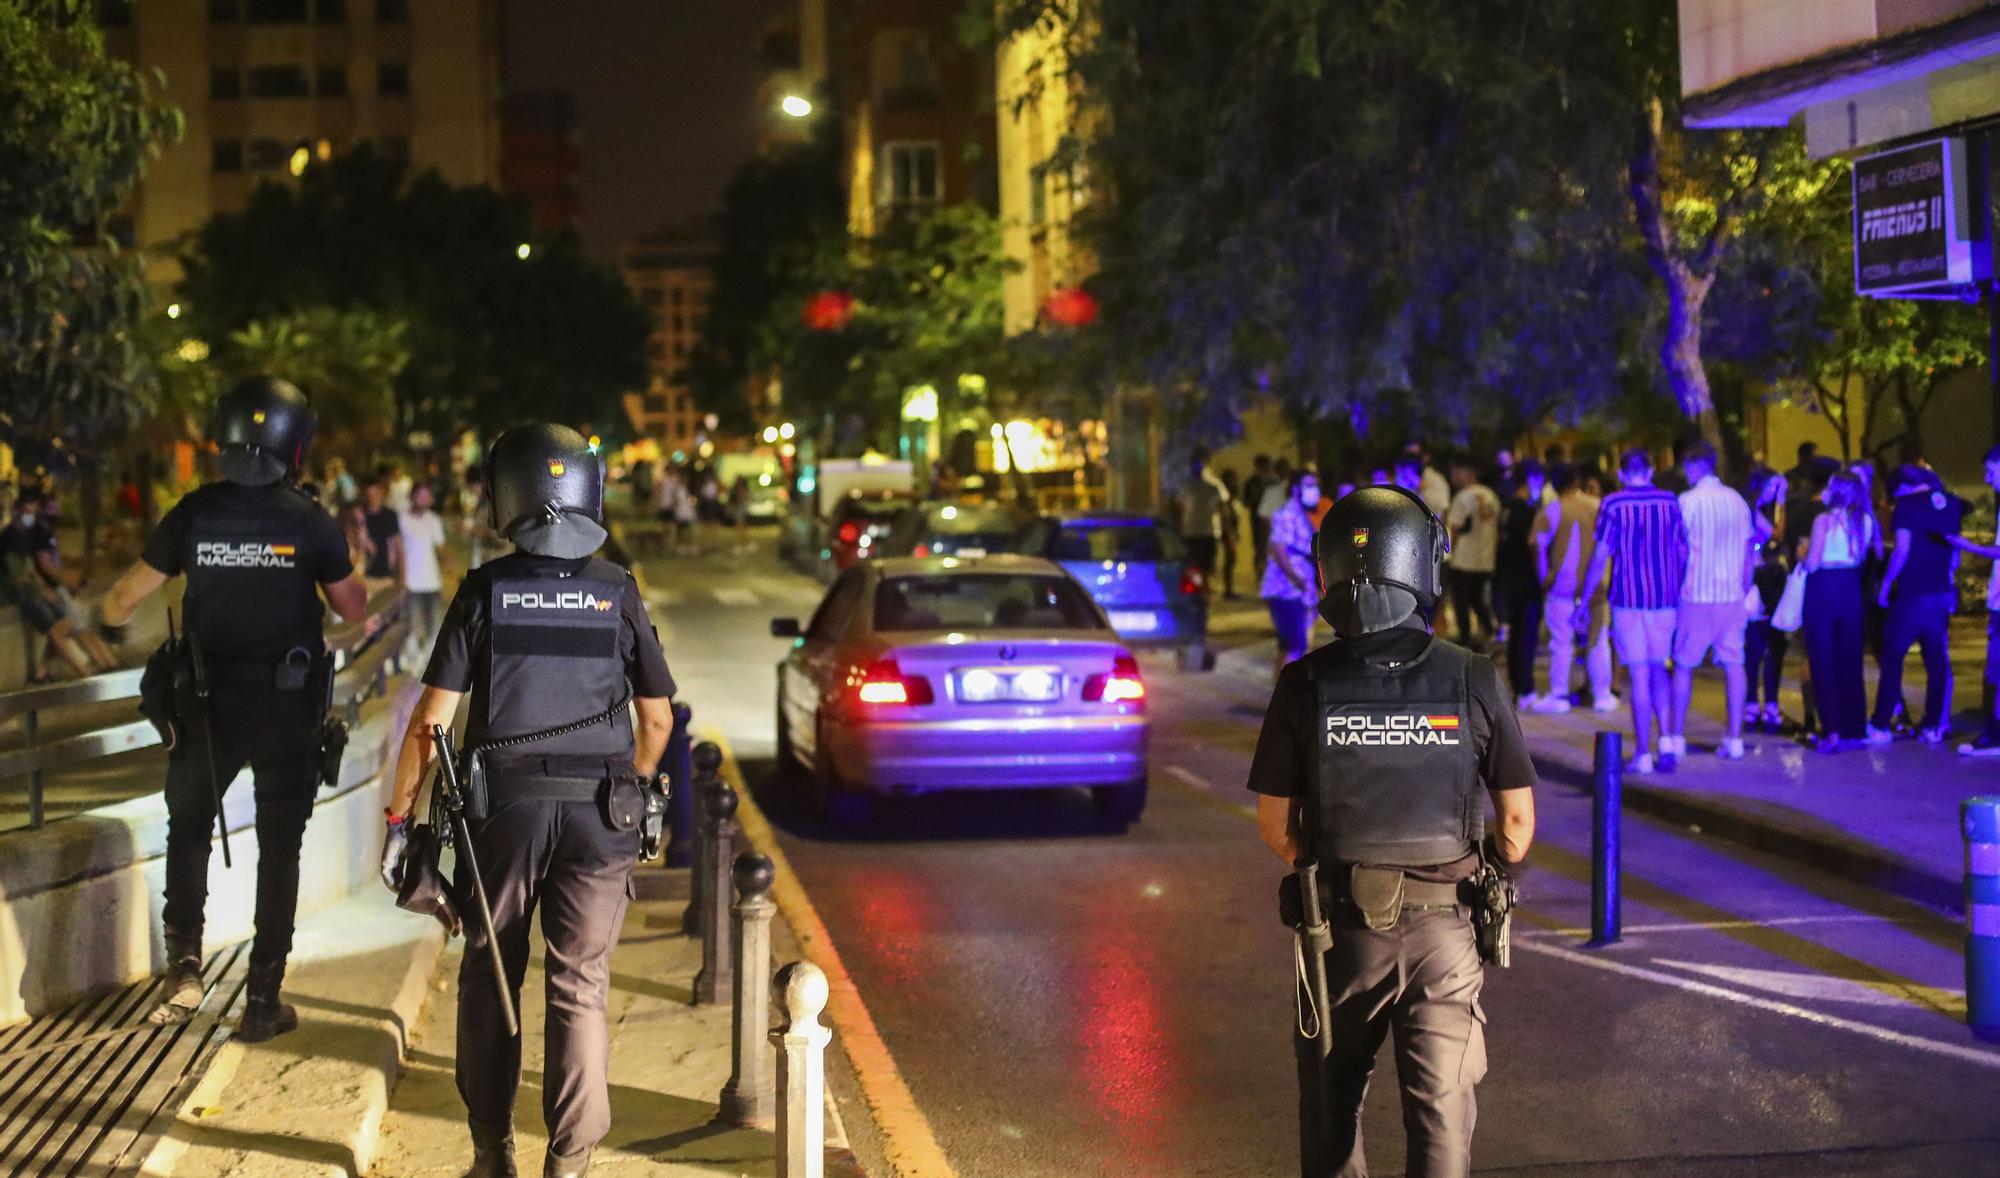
[1640,765]
[1731,749]
[1604,703]
[1879,735]
[1552,705]
[1528,702]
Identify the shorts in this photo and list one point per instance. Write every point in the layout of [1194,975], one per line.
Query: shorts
[43,613]
[1702,626]
[1293,620]
[1646,636]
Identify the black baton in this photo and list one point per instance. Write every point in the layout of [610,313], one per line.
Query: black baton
[461,833]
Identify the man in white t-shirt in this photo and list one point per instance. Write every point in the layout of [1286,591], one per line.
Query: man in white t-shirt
[1474,520]
[423,576]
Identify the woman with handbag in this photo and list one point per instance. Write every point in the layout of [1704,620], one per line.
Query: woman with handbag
[1843,537]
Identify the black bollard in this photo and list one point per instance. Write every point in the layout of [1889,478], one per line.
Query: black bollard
[716,977]
[746,1099]
[705,760]
[1605,816]
[678,764]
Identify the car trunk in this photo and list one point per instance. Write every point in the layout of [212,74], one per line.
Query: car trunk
[997,675]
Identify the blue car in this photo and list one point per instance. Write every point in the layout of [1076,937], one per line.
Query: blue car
[1136,569]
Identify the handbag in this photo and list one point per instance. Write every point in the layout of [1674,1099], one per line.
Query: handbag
[1791,611]
[1753,605]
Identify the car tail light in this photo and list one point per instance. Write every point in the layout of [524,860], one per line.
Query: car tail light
[1190,582]
[1122,685]
[885,683]
[921,551]
[850,532]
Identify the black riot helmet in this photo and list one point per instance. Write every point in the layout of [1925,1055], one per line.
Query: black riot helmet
[1381,554]
[262,429]
[545,491]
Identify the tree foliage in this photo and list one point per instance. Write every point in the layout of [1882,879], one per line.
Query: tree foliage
[347,361]
[493,339]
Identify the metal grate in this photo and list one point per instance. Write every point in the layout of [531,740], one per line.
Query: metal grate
[87,1092]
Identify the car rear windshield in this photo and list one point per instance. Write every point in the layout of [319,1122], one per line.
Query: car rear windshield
[959,520]
[982,601]
[1120,542]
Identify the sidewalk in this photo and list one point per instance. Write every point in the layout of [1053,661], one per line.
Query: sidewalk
[1885,816]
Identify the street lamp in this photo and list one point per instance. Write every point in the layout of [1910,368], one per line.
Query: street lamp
[523,250]
[795,106]
[770,434]
[301,156]
[173,310]
[786,431]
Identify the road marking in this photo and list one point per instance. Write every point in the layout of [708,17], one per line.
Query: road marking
[1206,794]
[1807,987]
[732,596]
[907,1141]
[1956,1051]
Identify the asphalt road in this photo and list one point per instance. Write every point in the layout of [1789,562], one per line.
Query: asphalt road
[1062,1002]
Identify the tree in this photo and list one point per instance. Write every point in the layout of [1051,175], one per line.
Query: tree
[346,361]
[76,130]
[494,337]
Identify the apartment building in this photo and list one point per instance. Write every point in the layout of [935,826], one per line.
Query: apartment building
[669,272]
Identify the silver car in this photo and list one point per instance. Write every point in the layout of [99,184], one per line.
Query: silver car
[916,676]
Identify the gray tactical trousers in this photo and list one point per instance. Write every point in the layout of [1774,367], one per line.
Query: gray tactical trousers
[563,858]
[1420,979]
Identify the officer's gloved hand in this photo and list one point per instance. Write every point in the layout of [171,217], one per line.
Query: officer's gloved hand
[392,854]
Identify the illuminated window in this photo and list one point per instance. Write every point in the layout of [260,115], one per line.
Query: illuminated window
[909,173]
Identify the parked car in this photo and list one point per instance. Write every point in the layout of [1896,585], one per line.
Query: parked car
[857,525]
[944,527]
[923,675]
[1137,569]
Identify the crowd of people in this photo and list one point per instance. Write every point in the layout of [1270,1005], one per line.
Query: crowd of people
[1658,568]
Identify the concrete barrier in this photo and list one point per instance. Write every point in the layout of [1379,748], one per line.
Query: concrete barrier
[80,899]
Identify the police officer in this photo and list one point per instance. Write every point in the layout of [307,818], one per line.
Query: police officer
[255,550]
[548,637]
[1372,757]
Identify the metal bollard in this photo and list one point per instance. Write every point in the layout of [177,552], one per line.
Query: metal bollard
[1979,822]
[746,1099]
[678,765]
[714,980]
[1605,815]
[704,762]
[801,1046]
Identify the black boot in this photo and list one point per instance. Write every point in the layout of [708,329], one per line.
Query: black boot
[492,1153]
[264,1017]
[181,996]
[575,1165]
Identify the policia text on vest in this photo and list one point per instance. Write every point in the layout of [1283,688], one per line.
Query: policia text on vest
[551,643]
[1377,759]
[253,686]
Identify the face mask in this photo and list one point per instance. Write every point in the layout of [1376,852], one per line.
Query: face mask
[26,520]
[1309,496]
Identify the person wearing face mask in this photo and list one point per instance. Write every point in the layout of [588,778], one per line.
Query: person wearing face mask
[1291,585]
[1369,770]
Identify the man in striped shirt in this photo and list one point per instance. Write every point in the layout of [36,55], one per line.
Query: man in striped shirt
[1641,538]
[1711,616]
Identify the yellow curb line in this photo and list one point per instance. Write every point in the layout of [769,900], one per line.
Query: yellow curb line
[907,1141]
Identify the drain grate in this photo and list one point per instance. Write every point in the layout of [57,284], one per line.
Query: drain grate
[82,1092]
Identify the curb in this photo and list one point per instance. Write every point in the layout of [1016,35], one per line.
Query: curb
[1856,861]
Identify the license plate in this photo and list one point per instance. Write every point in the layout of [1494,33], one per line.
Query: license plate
[1127,621]
[969,552]
[982,685]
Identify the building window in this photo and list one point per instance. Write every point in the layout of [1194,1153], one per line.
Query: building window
[275,12]
[112,14]
[680,323]
[909,173]
[392,12]
[225,82]
[276,81]
[267,155]
[330,12]
[330,80]
[226,156]
[395,148]
[225,11]
[392,78]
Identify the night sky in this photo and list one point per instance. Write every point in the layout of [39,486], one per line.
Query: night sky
[666,94]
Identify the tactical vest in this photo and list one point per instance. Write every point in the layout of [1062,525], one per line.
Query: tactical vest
[251,594]
[1397,774]
[552,659]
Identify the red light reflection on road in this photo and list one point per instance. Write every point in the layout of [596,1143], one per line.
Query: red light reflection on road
[893,923]
[1126,1061]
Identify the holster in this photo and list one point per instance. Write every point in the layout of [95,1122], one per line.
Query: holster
[168,670]
[1377,892]
[332,747]
[623,800]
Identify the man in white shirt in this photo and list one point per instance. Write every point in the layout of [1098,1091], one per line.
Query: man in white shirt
[423,574]
[1711,615]
[1474,520]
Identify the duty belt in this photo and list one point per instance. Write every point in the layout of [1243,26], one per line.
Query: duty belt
[507,787]
[1417,893]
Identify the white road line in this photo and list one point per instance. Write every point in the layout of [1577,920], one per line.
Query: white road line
[1957,1051]
[1187,776]
[733,596]
[1697,926]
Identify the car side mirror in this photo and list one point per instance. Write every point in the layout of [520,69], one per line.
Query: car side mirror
[785,628]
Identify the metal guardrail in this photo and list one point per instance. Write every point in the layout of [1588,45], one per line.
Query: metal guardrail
[366,653]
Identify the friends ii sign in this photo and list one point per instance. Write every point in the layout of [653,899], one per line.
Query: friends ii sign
[1918,225]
